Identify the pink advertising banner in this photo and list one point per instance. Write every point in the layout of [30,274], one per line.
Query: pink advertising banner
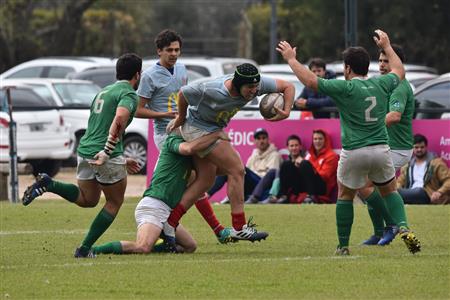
[241,134]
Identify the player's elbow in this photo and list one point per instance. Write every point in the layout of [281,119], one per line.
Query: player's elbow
[186,149]
[311,82]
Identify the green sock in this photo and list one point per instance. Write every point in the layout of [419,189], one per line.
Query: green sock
[275,187]
[112,247]
[101,222]
[396,208]
[344,221]
[68,191]
[378,212]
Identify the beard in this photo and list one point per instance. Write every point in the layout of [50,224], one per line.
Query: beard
[420,155]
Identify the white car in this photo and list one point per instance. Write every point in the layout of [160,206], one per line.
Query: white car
[54,67]
[43,138]
[76,97]
[210,66]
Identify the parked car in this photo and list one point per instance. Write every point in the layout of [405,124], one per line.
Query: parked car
[210,66]
[434,94]
[54,67]
[103,76]
[78,95]
[43,138]
[338,68]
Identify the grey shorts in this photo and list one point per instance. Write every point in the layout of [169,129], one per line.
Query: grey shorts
[371,162]
[400,157]
[190,133]
[151,210]
[112,171]
[159,140]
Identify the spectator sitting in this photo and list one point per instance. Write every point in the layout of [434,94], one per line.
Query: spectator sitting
[426,178]
[312,179]
[271,180]
[262,159]
[309,98]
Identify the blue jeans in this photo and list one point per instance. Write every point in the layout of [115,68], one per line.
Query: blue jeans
[414,196]
[251,179]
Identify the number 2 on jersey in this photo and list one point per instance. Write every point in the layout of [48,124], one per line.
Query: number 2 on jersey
[373,101]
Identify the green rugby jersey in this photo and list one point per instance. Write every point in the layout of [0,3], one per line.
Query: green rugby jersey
[103,111]
[402,100]
[171,174]
[362,104]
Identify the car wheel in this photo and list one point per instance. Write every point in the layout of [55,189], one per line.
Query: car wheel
[49,166]
[136,147]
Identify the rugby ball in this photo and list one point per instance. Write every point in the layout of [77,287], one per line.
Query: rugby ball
[268,104]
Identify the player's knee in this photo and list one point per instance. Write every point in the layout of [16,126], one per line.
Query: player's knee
[190,247]
[237,171]
[143,248]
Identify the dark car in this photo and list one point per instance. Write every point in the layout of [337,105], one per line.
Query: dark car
[434,97]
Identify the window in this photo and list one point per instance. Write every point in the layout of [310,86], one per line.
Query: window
[44,92]
[25,97]
[199,69]
[32,72]
[59,72]
[435,96]
[76,94]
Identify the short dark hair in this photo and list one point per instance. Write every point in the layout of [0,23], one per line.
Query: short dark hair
[127,66]
[398,50]
[293,137]
[418,138]
[317,62]
[166,37]
[358,59]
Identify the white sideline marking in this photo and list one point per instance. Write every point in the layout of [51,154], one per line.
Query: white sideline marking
[65,232]
[93,262]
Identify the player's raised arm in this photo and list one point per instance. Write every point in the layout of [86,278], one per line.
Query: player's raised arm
[307,77]
[383,42]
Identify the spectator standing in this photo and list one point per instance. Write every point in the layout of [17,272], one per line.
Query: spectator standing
[426,178]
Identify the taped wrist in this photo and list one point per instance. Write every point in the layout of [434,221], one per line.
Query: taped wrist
[110,145]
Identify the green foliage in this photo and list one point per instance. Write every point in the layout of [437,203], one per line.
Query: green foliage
[295,262]
[106,33]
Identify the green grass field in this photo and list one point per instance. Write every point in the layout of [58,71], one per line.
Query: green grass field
[296,261]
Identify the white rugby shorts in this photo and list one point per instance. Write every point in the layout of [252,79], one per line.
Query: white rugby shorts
[151,210]
[370,162]
[112,171]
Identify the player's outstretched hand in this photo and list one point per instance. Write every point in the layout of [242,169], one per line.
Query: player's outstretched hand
[99,158]
[132,166]
[382,40]
[286,50]
[281,115]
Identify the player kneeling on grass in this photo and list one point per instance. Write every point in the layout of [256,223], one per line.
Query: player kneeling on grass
[169,181]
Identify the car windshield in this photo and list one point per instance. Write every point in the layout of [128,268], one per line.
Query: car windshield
[76,94]
[44,92]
